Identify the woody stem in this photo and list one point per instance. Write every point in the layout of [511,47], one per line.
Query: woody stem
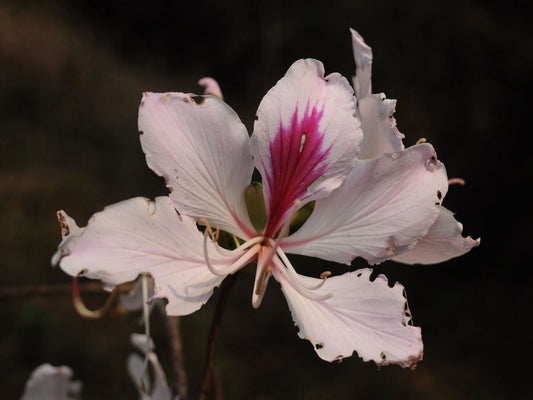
[228,284]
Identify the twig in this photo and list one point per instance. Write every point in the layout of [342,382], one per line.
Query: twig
[179,385]
[213,335]
[47,290]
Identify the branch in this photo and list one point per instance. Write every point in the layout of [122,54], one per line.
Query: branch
[213,335]
[7,293]
[179,385]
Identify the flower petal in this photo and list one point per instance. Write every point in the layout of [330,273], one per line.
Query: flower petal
[384,206]
[362,54]
[137,369]
[211,87]
[306,137]
[365,316]
[201,148]
[380,134]
[443,241]
[49,382]
[142,236]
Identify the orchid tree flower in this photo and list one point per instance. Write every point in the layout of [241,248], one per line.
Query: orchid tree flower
[308,134]
[444,239]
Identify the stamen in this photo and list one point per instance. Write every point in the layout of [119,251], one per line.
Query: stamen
[146,314]
[241,247]
[274,244]
[296,283]
[290,269]
[287,224]
[458,181]
[213,235]
[248,255]
[421,140]
[83,310]
[262,275]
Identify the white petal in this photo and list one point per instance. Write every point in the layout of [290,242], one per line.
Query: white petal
[133,300]
[370,318]
[201,148]
[380,134]
[443,241]
[306,137]
[362,54]
[384,206]
[51,383]
[139,236]
[136,368]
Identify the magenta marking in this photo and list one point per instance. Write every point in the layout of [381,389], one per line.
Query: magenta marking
[296,164]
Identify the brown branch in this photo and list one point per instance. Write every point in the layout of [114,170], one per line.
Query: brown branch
[179,385]
[7,293]
[213,335]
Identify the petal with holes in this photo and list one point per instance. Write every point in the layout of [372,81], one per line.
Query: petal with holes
[201,148]
[142,236]
[383,208]
[370,318]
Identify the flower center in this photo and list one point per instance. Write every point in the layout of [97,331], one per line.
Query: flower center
[271,260]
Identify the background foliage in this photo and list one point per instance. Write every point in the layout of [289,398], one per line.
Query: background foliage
[71,77]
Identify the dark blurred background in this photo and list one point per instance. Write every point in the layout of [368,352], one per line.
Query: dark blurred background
[71,77]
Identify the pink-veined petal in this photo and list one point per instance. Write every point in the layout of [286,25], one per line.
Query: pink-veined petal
[384,206]
[362,54]
[201,148]
[142,236]
[306,137]
[380,134]
[443,241]
[370,318]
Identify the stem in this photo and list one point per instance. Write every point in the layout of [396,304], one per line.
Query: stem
[179,385]
[47,290]
[213,335]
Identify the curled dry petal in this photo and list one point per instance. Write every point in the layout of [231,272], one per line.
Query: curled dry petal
[380,134]
[362,54]
[142,236]
[201,148]
[365,316]
[443,241]
[305,139]
[383,208]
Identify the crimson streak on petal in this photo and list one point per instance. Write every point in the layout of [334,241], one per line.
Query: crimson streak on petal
[298,160]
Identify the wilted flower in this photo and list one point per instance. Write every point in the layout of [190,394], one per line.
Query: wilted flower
[312,142]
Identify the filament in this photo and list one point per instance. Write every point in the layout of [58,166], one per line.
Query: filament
[248,255]
[296,283]
[290,269]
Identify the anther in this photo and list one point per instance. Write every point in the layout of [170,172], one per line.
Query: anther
[458,181]
[213,235]
[325,275]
